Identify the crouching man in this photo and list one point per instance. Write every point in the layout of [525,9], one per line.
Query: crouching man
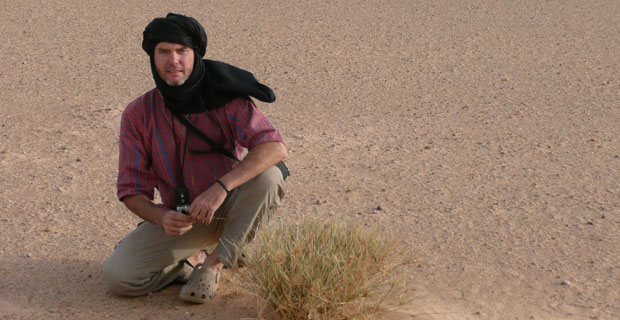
[184,138]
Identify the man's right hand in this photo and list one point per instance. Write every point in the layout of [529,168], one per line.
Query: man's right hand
[175,223]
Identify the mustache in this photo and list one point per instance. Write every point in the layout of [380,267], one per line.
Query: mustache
[175,68]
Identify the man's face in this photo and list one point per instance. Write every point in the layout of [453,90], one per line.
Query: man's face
[174,62]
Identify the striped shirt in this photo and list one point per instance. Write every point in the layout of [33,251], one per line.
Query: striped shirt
[155,147]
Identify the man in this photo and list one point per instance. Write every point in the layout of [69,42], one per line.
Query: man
[184,138]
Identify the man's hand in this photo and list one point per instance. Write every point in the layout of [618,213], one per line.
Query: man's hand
[175,223]
[258,160]
[204,206]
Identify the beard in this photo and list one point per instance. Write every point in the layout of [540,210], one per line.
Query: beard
[176,83]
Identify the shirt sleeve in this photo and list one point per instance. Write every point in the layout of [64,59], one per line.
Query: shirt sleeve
[135,173]
[250,126]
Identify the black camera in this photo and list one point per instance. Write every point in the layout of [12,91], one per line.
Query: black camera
[181,199]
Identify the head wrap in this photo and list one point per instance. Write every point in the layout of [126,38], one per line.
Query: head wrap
[211,84]
[175,28]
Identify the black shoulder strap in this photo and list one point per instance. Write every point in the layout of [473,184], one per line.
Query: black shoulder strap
[216,147]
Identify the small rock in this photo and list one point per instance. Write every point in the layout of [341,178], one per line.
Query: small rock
[78,160]
[374,212]
[566,283]
[177,308]
[149,294]
[379,208]
[28,255]
[49,229]
[317,202]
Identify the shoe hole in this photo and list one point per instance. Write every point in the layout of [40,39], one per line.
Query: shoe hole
[192,294]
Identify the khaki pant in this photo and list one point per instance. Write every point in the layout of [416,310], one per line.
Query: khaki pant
[147,259]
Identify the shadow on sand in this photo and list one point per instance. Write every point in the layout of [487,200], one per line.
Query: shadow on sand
[72,288]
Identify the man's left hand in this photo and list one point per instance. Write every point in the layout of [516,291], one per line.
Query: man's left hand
[204,206]
[259,159]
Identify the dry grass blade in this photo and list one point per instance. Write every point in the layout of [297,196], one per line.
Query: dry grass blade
[325,270]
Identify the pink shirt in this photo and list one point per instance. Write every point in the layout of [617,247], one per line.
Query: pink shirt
[153,146]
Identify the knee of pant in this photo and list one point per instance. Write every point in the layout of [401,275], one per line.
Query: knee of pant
[269,181]
[115,278]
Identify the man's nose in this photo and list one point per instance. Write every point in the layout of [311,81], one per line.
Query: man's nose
[174,58]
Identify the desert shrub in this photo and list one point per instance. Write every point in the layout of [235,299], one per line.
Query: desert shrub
[325,270]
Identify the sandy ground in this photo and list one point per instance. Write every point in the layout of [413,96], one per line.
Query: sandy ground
[486,130]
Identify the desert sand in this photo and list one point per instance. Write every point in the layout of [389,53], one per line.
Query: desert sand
[486,131]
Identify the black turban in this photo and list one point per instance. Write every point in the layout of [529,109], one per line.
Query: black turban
[212,84]
[175,28]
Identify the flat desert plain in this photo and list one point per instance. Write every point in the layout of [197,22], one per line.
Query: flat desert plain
[486,131]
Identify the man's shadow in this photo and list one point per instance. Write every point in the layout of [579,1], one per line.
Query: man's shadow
[62,288]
